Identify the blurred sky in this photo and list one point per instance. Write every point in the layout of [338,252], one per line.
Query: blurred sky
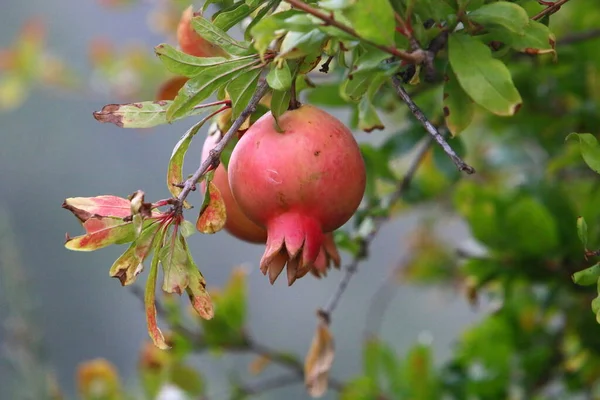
[52,149]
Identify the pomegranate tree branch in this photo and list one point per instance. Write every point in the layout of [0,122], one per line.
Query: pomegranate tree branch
[415,57]
[379,221]
[213,160]
[430,128]
[551,9]
[579,37]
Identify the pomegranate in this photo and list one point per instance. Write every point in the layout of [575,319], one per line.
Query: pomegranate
[241,227]
[192,43]
[298,184]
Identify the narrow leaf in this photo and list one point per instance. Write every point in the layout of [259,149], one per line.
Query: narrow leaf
[228,18]
[184,64]
[485,79]
[213,213]
[459,109]
[368,120]
[590,149]
[203,85]
[150,304]
[218,37]
[175,169]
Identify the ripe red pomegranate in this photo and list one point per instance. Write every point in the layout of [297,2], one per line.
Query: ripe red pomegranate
[241,227]
[298,184]
[169,89]
[192,43]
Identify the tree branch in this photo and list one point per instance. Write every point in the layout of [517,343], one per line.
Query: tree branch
[416,57]
[551,9]
[379,222]
[213,160]
[579,37]
[460,164]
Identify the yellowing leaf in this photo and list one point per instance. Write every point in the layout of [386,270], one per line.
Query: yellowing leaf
[213,213]
[319,360]
[149,301]
[103,206]
[130,264]
[102,232]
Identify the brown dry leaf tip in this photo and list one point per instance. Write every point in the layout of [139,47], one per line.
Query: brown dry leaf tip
[81,215]
[319,359]
[203,305]
[108,115]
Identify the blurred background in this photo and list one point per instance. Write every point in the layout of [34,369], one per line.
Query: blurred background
[52,148]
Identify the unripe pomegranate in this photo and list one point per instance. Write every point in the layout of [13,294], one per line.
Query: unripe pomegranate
[298,184]
[192,43]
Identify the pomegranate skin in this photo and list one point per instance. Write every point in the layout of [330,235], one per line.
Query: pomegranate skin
[192,43]
[298,184]
[237,223]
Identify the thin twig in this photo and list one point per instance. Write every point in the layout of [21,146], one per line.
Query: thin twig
[378,223]
[213,160]
[269,384]
[460,164]
[579,37]
[415,57]
[549,10]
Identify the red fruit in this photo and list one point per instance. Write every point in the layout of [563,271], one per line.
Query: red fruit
[241,227]
[169,89]
[237,223]
[192,43]
[298,184]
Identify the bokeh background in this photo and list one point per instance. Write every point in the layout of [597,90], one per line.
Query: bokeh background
[51,148]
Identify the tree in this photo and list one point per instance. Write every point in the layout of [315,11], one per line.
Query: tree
[498,110]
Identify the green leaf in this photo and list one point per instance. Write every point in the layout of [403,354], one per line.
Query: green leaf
[439,10]
[582,231]
[373,20]
[537,39]
[175,169]
[174,262]
[531,228]
[229,17]
[241,89]
[444,163]
[501,14]
[204,85]
[186,228]
[188,379]
[218,37]
[590,149]
[371,359]
[400,143]
[486,80]
[143,115]
[459,109]
[280,77]
[345,242]
[588,276]
[336,4]
[130,264]
[181,63]
[266,30]
[196,289]
[150,301]
[280,102]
